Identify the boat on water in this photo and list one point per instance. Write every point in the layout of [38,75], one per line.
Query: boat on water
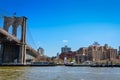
[30,64]
[42,64]
[105,65]
[84,64]
[77,65]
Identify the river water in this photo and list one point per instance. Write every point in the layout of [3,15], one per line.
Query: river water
[59,73]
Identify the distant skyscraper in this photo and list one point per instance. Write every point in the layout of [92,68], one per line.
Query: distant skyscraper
[65,49]
[41,51]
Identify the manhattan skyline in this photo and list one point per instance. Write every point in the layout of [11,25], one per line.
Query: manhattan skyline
[56,23]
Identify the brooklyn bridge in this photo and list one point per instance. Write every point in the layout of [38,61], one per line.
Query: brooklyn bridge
[13,49]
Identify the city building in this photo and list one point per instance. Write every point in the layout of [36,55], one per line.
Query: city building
[41,51]
[65,49]
[67,57]
[119,50]
[81,55]
[96,53]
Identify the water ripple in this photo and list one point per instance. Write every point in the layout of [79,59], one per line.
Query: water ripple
[59,73]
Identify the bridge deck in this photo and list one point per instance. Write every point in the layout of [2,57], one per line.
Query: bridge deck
[29,49]
[5,33]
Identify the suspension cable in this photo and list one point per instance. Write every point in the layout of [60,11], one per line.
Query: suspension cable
[31,37]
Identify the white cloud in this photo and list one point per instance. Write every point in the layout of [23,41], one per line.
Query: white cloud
[65,41]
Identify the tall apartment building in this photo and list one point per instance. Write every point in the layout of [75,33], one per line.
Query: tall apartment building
[65,49]
[41,51]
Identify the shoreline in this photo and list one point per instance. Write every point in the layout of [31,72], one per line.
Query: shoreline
[54,65]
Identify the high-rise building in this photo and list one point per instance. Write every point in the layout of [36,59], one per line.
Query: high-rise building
[65,49]
[41,51]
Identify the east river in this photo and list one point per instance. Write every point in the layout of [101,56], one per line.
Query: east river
[59,73]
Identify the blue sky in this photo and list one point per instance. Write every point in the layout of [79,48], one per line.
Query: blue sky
[76,23]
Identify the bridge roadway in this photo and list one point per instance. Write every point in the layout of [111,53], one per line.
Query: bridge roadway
[6,37]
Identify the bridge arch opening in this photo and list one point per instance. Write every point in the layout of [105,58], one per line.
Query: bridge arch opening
[19,31]
[10,29]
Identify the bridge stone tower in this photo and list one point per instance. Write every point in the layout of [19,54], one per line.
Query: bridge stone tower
[15,49]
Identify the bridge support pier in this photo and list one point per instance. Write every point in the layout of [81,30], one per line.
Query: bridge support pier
[12,53]
[9,53]
[22,54]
